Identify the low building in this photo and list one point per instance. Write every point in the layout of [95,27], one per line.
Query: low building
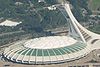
[9,23]
[41,1]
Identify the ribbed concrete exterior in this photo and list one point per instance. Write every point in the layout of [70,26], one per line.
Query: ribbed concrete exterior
[18,52]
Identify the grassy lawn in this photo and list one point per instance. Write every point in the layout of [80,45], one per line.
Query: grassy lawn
[95,4]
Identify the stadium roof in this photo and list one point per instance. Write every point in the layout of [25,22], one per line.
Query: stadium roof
[50,42]
[46,50]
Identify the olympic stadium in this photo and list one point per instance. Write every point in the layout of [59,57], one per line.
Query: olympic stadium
[55,49]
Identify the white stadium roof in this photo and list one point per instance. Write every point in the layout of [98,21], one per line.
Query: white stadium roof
[46,50]
[50,42]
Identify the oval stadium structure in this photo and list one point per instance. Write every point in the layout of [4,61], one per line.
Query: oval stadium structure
[55,49]
[46,50]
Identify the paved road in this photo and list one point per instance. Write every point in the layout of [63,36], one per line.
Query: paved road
[9,33]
